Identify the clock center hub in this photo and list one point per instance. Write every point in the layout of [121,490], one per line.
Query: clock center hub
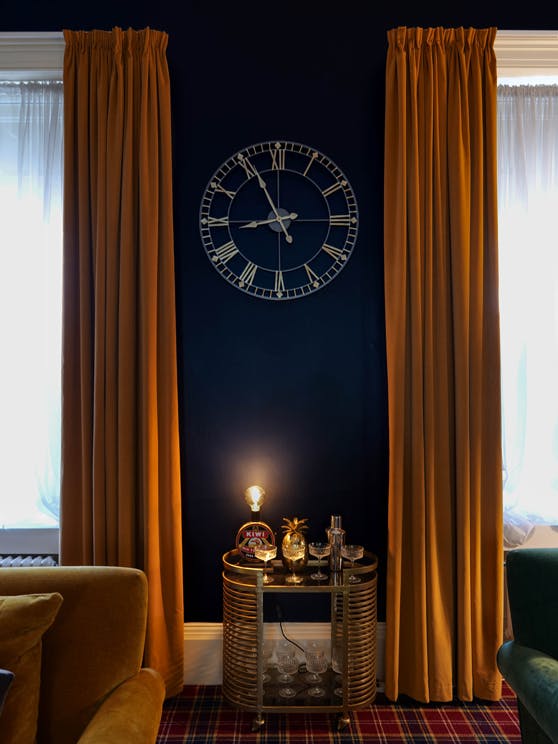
[274,223]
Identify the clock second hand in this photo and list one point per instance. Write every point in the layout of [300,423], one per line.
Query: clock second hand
[255,223]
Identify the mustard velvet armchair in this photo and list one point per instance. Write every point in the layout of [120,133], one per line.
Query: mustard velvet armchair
[529,662]
[93,688]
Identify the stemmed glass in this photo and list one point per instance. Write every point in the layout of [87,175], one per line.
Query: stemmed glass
[266,553]
[319,550]
[352,553]
[337,666]
[287,664]
[316,663]
[293,554]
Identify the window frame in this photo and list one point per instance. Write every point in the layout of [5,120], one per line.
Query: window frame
[526,53]
[31,55]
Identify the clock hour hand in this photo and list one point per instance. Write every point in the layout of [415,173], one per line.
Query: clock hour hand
[256,223]
[261,182]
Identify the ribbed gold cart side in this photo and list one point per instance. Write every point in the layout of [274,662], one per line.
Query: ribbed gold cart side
[360,618]
[353,637]
[241,622]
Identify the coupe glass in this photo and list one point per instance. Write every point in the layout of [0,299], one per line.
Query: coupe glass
[293,554]
[266,553]
[316,663]
[352,553]
[287,664]
[319,550]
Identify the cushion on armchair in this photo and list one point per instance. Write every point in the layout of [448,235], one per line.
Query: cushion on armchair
[23,622]
[6,679]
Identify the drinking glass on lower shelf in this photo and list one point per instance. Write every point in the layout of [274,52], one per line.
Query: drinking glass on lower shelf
[316,663]
[266,553]
[337,666]
[319,550]
[287,664]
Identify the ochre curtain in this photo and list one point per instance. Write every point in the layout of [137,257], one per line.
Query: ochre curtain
[445,551]
[120,491]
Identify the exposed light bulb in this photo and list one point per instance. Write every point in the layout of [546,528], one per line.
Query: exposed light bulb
[254,497]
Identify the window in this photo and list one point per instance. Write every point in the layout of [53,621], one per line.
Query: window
[31,126]
[528,269]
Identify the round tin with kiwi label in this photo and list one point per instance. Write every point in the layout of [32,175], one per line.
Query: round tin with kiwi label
[253,535]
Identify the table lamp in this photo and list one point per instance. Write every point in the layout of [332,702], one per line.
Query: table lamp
[254,533]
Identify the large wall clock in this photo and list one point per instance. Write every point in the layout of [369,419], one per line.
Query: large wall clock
[278,220]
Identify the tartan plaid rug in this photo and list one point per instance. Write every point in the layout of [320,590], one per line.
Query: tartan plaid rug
[199,715]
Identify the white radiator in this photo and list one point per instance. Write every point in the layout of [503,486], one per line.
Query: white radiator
[10,561]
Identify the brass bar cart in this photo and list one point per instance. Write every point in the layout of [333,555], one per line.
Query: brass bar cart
[353,620]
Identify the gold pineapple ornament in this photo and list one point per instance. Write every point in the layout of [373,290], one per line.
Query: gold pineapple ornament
[293,545]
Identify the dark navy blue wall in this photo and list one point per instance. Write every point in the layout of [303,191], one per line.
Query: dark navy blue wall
[290,395]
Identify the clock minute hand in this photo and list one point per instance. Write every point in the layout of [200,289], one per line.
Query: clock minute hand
[262,185]
[256,223]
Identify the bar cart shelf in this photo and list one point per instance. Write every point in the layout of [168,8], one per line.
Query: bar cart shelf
[353,620]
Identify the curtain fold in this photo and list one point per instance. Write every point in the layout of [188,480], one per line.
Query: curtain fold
[444,611]
[120,485]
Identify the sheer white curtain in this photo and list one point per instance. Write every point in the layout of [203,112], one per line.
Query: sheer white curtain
[31,121]
[528,264]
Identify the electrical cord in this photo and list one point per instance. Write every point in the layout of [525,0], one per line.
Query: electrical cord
[290,640]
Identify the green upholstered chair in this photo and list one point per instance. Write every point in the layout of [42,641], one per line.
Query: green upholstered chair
[529,662]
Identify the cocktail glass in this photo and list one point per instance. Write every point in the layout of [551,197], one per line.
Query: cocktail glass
[293,554]
[266,553]
[319,550]
[352,553]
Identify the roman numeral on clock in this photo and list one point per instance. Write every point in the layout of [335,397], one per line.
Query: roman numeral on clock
[221,189]
[217,221]
[340,220]
[312,276]
[331,189]
[247,165]
[277,158]
[335,253]
[313,159]
[279,283]
[247,276]
[225,252]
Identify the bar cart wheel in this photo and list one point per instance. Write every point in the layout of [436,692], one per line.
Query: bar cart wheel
[258,722]
[342,722]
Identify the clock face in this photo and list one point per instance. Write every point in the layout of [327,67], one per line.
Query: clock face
[278,220]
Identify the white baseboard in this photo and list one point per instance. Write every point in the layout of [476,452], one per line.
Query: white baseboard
[203,648]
